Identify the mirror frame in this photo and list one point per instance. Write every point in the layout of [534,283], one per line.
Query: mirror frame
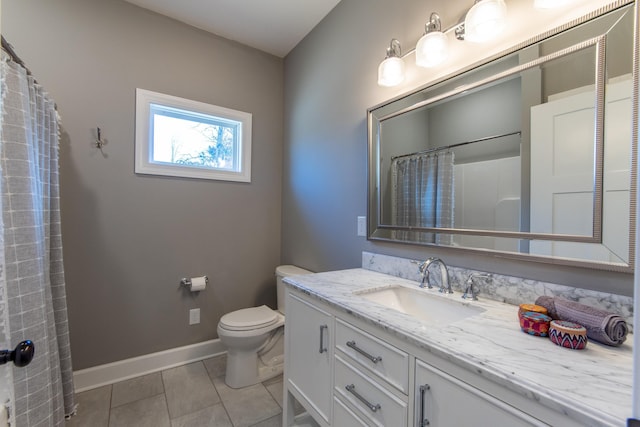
[374,207]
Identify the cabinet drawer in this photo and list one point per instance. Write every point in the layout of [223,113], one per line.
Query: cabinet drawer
[381,407]
[384,360]
[345,417]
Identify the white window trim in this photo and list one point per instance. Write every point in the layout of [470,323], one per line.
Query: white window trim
[143,163]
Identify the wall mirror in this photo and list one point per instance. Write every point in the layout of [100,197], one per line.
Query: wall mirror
[531,155]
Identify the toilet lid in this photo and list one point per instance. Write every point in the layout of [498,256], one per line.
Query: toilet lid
[249,318]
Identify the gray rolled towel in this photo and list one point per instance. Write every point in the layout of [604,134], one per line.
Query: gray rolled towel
[547,302]
[602,326]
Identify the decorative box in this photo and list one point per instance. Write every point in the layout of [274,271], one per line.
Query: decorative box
[568,334]
[535,323]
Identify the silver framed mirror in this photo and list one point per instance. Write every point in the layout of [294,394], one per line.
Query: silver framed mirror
[530,155]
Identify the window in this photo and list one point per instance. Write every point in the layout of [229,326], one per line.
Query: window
[179,137]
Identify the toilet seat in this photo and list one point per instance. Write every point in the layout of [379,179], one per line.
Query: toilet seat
[249,318]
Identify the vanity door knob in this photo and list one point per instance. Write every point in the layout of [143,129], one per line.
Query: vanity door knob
[322,347]
[373,407]
[374,359]
[423,421]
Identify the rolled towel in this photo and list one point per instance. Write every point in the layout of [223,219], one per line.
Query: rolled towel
[602,326]
[547,302]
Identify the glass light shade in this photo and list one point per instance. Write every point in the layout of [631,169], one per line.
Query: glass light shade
[550,4]
[432,49]
[485,20]
[391,72]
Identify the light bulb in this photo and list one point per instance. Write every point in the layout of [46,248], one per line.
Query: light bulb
[485,20]
[432,49]
[391,71]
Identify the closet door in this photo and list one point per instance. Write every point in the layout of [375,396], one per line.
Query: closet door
[562,178]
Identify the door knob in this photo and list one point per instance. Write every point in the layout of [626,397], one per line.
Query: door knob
[20,356]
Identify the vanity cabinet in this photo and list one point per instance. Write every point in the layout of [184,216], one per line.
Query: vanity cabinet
[309,357]
[346,372]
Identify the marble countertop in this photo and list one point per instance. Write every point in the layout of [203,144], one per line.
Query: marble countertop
[593,386]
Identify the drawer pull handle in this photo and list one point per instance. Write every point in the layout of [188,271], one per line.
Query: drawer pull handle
[351,388]
[423,421]
[374,359]
[322,347]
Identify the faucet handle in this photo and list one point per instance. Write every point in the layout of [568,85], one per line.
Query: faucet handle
[422,267]
[425,283]
[470,291]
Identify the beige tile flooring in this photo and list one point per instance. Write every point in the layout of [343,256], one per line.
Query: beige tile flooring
[193,395]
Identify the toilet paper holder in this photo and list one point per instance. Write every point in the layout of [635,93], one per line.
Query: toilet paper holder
[186,281]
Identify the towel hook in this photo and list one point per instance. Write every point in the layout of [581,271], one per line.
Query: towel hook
[100,142]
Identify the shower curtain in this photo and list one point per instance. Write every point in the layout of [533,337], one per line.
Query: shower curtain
[31,270]
[422,195]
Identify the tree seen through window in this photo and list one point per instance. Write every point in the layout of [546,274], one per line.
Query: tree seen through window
[192,143]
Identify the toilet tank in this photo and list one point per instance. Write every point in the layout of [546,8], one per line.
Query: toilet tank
[282,272]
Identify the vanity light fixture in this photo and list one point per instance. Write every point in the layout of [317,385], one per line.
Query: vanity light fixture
[433,47]
[391,70]
[484,21]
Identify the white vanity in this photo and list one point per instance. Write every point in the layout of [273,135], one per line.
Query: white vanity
[354,362]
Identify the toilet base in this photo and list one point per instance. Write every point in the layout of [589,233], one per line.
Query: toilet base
[246,369]
[268,372]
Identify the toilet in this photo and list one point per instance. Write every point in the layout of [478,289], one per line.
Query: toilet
[254,338]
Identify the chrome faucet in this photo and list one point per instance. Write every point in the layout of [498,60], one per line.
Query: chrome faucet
[470,292]
[445,284]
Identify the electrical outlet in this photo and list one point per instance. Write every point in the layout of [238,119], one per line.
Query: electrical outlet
[194,316]
[362,226]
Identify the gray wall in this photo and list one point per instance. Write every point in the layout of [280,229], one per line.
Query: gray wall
[129,239]
[330,82]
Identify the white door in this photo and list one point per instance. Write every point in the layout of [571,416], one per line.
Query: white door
[562,177]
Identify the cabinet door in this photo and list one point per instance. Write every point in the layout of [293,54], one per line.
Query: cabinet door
[309,355]
[445,401]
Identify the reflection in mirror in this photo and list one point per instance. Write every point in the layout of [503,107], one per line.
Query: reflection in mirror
[529,154]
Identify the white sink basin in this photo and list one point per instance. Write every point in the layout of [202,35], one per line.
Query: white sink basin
[436,309]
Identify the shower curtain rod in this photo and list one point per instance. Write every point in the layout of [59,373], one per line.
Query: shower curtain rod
[6,46]
[459,144]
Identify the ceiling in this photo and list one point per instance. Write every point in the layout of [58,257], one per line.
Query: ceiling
[273,26]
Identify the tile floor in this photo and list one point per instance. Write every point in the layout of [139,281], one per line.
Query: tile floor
[193,395]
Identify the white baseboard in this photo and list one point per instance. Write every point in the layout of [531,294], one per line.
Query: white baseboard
[97,376]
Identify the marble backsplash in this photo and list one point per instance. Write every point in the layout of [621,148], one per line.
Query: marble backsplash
[508,289]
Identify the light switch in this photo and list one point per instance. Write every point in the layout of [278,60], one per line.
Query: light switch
[362,226]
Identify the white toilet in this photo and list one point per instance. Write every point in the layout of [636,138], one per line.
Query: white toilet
[254,338]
